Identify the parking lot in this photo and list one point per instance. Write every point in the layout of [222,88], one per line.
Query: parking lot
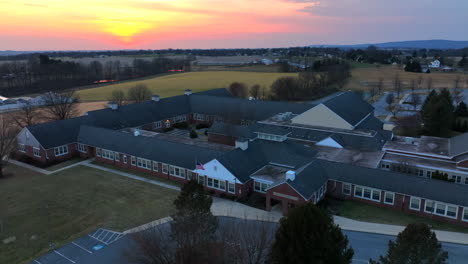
[82,250]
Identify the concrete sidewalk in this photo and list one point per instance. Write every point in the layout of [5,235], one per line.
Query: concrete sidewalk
[47,172]
[393,230]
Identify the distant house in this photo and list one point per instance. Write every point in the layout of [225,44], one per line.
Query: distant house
[434,64]
[267,61]
[447,69]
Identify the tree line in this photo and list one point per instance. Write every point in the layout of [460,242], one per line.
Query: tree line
[41,73]
[324,77]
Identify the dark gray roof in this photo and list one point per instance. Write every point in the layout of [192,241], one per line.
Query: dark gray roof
[341,103]
[242,108]
[223,92]
[273,130]
[261,152]
[372,123]
[57,133]
[236,131]
[310,179]
[177,154]
[396,182]
[458,145]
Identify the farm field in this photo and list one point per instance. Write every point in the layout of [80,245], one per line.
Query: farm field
[62,206]
[175,84]
[370,75]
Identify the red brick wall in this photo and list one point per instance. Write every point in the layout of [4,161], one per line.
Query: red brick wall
[401,203]
[30,153]
[286,202]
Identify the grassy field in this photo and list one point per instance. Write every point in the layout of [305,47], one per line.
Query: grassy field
[175,84]
[71,203]
[369,213]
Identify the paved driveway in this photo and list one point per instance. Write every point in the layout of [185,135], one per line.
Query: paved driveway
[113,251]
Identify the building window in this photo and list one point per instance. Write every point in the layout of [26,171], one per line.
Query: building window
[165,168]
[144,163]
[376,195]
[117,156]
[177,171]
[107,154]
[452,211]
[125,159]
[60,151]
[98,152]
[456,178]
[260,186]
[21,148]
[446,210]
[201,180]
[465,214]
[216,184]
[232,187]
[428,174]
[155,166]
[157,125]
[209,182]
[389,197]
[133,161]
[347,188]
[37,152]
[415,203]
[429,207]
[358,191]
[466,180]
[421,173]
[82,148]
[440,209]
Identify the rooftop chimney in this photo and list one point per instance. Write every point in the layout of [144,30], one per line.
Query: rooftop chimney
[113,105]
[188,92]
[155,98]
[290,175]
[242,143]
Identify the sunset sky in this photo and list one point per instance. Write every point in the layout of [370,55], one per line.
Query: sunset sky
[158,24]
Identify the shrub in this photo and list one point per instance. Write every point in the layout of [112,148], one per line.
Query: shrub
[167,129]
[193,134]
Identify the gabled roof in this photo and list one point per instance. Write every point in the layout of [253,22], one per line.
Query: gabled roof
[243,163]
[57,133]
[272,130]
[458,145]
[173,153]
[341,104]
[310,179]
[372,123]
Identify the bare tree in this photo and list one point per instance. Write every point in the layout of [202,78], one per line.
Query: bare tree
[238,89]
[60,106]
[139,93]
[390,98]
[7,142]
[255,91]
[118,96]
[152,246]
[415,100]
[429,84]
[380,84]
[372,92]
[412,85]
[397,85]
[26,116]
[420,81]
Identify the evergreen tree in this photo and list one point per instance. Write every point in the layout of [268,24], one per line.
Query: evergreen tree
[194,225]
[461,110]
[437,113]
[308,235]
[417,244]
[463,61]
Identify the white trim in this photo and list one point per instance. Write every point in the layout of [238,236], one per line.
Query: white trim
[38,150]
[463,214]
[362,120]
[329,142]
[427,167]
[59,150]
[395,151]
[385,198]
[350,188]
[411,202]
[21,147]
[371,193]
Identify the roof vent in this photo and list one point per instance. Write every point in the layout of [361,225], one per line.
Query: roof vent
[290,175]
[113,105]
[155,98]
[136,133]
[188,92]
[242,144]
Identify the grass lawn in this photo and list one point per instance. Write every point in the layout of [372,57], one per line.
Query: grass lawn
[368,213]
[175,84]
[71,203]
[63,164]
[137,173]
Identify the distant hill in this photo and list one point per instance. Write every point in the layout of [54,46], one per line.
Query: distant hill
[412,44]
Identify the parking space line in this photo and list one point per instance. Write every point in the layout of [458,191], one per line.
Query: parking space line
[110,238]
[60,254]
[37,262]
[102,233]
[82,248]
[97,233]
[97,239]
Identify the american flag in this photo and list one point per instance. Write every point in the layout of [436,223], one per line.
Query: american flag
[200,166]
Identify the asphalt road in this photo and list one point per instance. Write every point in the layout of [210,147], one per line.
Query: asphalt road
[81,251]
